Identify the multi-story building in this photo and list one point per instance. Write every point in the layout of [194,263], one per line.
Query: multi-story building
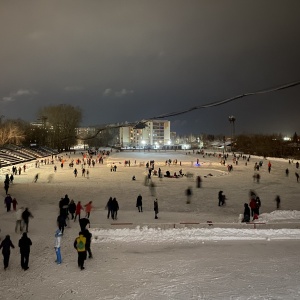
[156,134]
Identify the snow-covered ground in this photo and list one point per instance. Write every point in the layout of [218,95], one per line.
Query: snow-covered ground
[177,256]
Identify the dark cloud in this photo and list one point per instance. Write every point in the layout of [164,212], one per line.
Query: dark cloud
[128,60]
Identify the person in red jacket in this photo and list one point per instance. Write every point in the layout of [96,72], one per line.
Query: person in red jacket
[252,205]
[78,210]
[88,208]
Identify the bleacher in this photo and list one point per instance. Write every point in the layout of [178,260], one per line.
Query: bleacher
[13,154]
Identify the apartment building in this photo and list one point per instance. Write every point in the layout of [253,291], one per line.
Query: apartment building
[156,134]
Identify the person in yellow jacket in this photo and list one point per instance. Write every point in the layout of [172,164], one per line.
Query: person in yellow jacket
[79,245]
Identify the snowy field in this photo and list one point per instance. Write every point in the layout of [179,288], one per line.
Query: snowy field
[177,256]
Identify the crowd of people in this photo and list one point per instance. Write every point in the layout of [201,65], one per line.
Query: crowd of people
[71,211]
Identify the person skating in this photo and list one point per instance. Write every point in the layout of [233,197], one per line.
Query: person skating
[5,246]
[155,208]
[79,245]
[139,203]
[25,216]
[115,208]
[57,245]
[88,237]
[24,245]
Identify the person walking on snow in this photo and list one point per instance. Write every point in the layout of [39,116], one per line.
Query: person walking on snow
[109,208]
[5,246]
[14,203]
[269,166]
[253,206]
[24,245]
[88,237]
[83,222]
[297,176]
[72,209]
[79,208]
[19,213]
[155,208]
[188,193]
[8,202]
[88,208]
[61,223]
[57,245]
[115,208]
[6,185]
[25,216]
[79,245]
[139,203]
[278,200]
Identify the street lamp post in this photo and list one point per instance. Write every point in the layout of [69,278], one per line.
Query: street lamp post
[231,121]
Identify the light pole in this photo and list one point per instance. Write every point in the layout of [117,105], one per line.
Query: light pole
[231,121]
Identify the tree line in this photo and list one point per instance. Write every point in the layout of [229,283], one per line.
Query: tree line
[57,129]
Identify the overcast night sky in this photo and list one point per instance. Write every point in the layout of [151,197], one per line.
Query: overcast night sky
[131,60]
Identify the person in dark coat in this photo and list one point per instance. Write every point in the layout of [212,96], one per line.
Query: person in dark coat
[188,193]
[246,213]
[109,208]
[6,184]
[88,237]
[277,200]
[83,222]
[5,246]
[155,208]
[64,205]
[24,245]
[139,203]
[61,222]
[72,208]
[25,216]
[258,205]
[198,182]
[8,202]
[221,198]
[115,208]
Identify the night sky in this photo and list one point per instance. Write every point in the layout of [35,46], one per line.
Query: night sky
[130,60]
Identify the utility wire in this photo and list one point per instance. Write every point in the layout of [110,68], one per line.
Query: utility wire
[141,124]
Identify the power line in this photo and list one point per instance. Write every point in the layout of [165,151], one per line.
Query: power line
[141,123]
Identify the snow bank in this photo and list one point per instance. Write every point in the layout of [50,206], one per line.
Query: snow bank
[279,215]
[151,235]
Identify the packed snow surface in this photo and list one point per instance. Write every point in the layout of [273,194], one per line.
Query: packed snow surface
[192,251]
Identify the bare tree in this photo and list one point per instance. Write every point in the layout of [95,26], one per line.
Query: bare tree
[11,132]
[61,120]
